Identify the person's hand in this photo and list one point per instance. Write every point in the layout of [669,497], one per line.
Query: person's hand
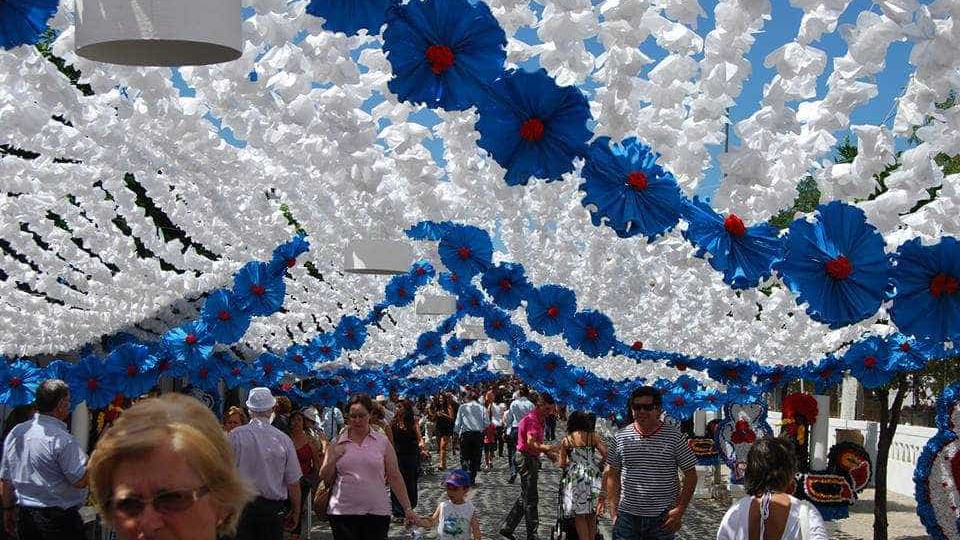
[674,520]
[10,523]
[338,452]
[411,516]
[290,521]
[613,515]
[601,506]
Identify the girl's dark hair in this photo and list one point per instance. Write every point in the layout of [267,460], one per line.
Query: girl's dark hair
[403,420]
[364,400]
[771,465]
[581,421]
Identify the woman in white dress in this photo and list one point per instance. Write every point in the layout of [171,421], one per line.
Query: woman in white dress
[769,512]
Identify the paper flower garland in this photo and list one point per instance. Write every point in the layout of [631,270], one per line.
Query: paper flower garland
[591,332]
[351,333]
[744,254]
[506,284]
[297,360]
[550,309]
[443,53]
[869,362]
[132,365]
[465,250]
[257,290]
[223,318]
[267,369]
[189,344]
[836,265]
[350,16]
[23,21]
[90,381]
[627,190]
[19,382]
[285,255]
[937,474]
[927,278]
[206,375]
[532,127]
[325,347]
[400,290]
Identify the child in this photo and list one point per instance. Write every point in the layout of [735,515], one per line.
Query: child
[455,518]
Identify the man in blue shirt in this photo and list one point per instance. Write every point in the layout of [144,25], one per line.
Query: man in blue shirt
[43,472]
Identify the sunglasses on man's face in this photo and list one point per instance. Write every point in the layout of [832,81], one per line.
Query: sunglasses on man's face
[164,502]
[643,406]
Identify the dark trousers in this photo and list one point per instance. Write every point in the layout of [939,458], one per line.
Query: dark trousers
[359,527]
[49,523]
[409,469]
[262,519]
[631,527]
[501,440]
[471,452]
[512,450]
[526,506]
[550,428]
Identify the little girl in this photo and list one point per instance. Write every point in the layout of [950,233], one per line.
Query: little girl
[455,518]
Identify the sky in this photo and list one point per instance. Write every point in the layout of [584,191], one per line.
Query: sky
[780,29]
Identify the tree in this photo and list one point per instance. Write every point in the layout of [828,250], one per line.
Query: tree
[889,420]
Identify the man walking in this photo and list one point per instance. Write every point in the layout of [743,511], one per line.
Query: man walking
[469,425]
[266,458]
[519,407]
[331,420]
[529,447]
[43,474]
[645,498]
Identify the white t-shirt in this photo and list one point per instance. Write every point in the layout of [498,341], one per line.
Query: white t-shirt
[454,522]
[736,522]
[496,414]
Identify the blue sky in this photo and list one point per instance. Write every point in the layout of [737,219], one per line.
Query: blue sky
[777,31]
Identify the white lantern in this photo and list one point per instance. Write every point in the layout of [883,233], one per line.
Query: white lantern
[377,257]
[500,365]
[435,304]
[159,32]
[498,348]
[471,331]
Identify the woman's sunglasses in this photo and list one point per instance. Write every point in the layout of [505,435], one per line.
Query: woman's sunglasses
[643,406]
[164,502]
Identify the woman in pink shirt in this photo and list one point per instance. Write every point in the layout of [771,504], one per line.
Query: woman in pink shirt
[359,465]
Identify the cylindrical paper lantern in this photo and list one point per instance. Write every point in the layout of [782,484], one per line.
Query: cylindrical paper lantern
[159,32]
[378,257]
[471,331]
[435,304]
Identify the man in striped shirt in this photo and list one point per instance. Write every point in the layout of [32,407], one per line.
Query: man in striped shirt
[646,501]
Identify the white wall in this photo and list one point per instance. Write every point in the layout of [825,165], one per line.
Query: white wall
[907,445]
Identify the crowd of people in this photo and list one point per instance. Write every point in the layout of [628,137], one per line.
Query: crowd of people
[169,468]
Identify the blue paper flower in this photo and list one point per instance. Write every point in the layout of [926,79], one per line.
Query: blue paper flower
[470,301]
[869,361]
[732,373]
[680,403]
[770,377]
[428,230]
[430,345]
[627,190]
[350,16]
[710,399]
[234,372]
[325,347]
[297,360]
[455,346]
[132,364]
[189,343]
[168,365]
[744,254]
[58,369]
[591,332]
[90,381]
[422,272]
[285,255]
[223,318]
[466,250]
[498,326]
[257,291]
[507,284]
[826,374]
[19,382]
[550,309]
[836,265]
[907,353]
[400,290]
[444,53]
[206,375]
[22,22]
[927,278]
[351,333]
[532,127]
[268,369]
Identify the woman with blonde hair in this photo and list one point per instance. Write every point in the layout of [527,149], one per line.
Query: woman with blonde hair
[165,468]
[234,418]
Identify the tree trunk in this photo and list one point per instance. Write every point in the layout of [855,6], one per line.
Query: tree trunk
[889,419]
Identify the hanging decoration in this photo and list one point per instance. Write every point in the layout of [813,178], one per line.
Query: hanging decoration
[937,474]
[22,22]
[927,278]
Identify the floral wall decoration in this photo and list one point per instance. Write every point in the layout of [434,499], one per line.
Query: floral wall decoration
[937,476]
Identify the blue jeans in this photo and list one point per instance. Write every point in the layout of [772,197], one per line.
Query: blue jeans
[631,527]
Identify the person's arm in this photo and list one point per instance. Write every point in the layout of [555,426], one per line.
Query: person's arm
[431,521]
[458,423]
[421,442]
[562,458]
[83,481]
[539,446]
[330,457]
[675,515]
[291,476]
[291,519]
[601,447]
[9,508]
[611,477]
[475,527]
[395,481]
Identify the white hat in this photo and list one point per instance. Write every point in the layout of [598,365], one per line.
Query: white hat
[260,399]
[312,415]
[381,398]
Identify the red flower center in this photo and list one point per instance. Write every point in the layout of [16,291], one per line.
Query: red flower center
[681,367]
[839,268]
[776,377]
[421,271]
[267,369]
[93,384]
[224,315]
[235,371]
[505,284]
[191,339]
[531,130]
[15,382]
[637,180]
[132,370]
[440,58]
[497,323]
[291,262]
[349,334]
[551,365]
[825,374]
[679,401]
[298,358]
[464,252]
[732,373]
[869,361]
[943,284]
[203,372]
[325,349]
[401,292]
[734,225]
[257,289]
[163,365]
[581,381]
[904,347]
[637,345]
[592,333]
[552,312]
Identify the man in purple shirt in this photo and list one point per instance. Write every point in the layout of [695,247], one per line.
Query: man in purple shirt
[529,447]
[266,457]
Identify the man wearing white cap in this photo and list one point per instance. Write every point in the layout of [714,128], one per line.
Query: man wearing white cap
[267,459]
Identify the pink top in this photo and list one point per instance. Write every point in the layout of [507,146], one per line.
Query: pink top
[531,424]
[360,487]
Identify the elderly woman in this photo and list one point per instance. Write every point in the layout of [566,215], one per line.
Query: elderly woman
[165,469]
[234,418]
[358,463]
[769,511]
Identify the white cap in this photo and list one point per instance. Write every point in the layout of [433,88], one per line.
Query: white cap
[260,399]
[381,398]
[312,415]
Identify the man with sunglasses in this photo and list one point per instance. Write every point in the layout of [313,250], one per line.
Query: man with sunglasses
[44,467]
[644,494]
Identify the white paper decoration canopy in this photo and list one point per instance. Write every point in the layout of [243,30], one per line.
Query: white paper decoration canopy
[159,32]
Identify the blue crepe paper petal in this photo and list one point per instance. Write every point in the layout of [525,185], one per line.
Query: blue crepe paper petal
[927,279]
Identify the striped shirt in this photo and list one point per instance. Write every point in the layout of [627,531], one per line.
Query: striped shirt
[649,483]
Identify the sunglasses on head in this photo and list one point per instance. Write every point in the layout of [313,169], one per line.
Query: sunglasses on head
[643,406]
[164,502]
